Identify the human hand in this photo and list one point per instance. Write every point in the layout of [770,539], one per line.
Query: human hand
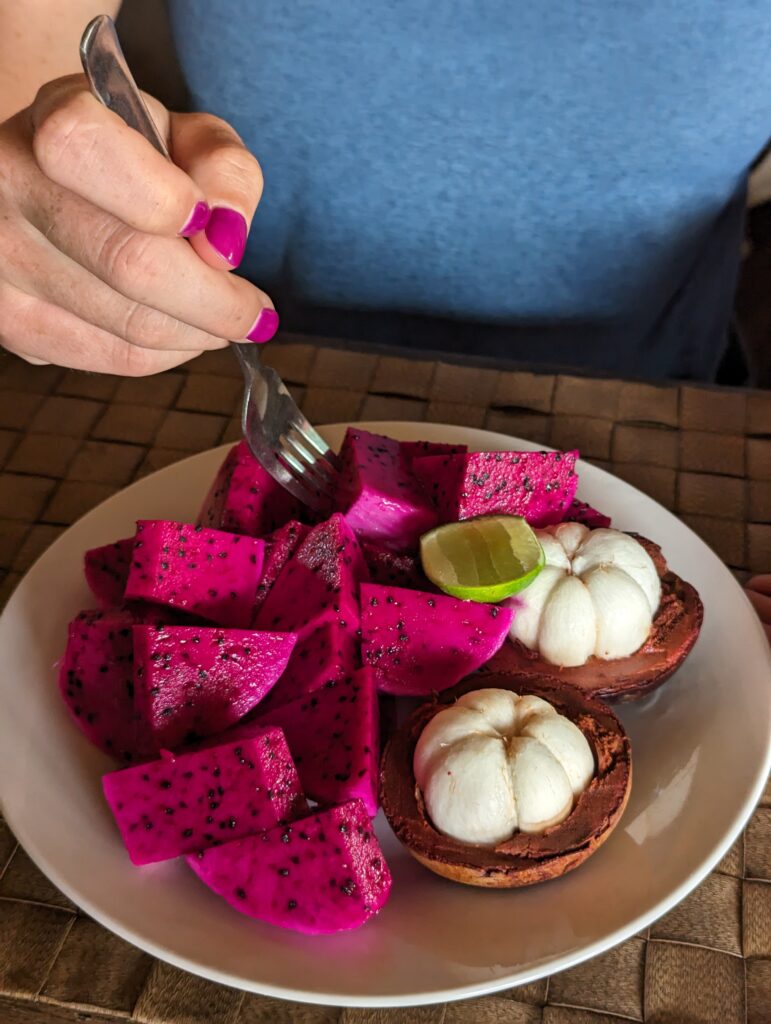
[95,269]
[758,590]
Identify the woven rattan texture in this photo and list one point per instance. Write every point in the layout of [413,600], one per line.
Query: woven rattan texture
[68,440]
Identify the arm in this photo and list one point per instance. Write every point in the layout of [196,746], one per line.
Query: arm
[38,42]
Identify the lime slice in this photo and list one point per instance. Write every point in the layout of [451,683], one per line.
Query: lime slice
[483,559]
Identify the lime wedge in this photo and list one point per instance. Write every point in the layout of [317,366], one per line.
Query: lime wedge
[483,559]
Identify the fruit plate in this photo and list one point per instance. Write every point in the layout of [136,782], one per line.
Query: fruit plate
[701,753]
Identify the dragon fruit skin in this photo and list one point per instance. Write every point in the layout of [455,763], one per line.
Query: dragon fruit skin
[412,450]
[381,499]
[279,548]
[581,512]
[537,485]
[244,498]
[208,573]
[318,584]
[420,643]
[107,570]
[183,803]
[334,735]
[96,681]
[192,681]
[393,568]
[323,873]
[325,655]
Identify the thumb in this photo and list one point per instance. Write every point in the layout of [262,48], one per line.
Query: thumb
[213,155]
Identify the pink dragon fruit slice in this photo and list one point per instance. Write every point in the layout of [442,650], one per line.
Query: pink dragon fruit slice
[193,681]
[419,643]
[186,802]
[537,485]
[279,548]
[244,498]
[204,572]
[96,681]
[334,734]
[412,450]
[378,494]
[324,656]
[398,569]
[323,873]
[318,584]
[581,512]
[107,570]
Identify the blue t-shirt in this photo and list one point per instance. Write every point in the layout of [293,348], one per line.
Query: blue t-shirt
[554,181]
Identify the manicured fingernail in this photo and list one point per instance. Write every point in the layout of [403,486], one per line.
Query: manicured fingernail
[197,220]
[264,327]
[226,232]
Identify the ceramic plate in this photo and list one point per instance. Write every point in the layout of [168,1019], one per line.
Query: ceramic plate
[701,753]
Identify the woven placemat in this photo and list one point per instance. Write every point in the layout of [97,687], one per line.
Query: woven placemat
[68,440]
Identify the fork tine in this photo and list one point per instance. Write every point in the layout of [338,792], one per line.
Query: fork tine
[317,463]
[305,465]
[303,427]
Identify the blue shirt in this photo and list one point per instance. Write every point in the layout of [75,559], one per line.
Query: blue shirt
[550,181]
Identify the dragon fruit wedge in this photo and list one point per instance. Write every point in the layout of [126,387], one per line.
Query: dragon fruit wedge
[537,485]
[244,498]
[393,568]
[204,572]
[323,873]
[96,681]
[107,570]
[412,450]
[333,734]
[279,548]
[318,584]
[183,803]
[581,512]
[323,656]
[193,681]
[381,499]
[420,643]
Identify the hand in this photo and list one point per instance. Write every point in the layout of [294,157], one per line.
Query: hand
[95,270]
[758,590]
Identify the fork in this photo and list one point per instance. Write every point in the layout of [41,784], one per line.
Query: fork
[279,436]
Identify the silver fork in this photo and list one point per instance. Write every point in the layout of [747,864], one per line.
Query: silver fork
[280,437]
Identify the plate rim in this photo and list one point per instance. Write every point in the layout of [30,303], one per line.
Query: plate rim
[471,990]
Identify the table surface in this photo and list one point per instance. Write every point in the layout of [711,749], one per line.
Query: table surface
[68,440]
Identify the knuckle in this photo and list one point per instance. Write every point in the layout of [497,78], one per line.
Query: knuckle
[130,259]
[149,328]
[65,133]
[134,361]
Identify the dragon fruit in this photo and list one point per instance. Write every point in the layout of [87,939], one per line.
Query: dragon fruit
[418,643]
[192,681]
[333,734]
[107,570]
[323,873]
[182,803]
[537,485]
[318,584]
[411,450]
[205,572]
[581,512]
[393,568]
[279,548]
[244,498]
[325,655]
[96,681]
[381,499]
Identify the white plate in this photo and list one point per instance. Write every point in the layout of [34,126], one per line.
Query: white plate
[701,749]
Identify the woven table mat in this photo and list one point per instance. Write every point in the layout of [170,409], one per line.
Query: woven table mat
[68,440]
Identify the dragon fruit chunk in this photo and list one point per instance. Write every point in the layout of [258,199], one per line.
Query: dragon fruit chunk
[323,873]
[412,450]
[318,584]
[244,498]
[381,499]
[279,548]
[334,734]
[96,681]
[537,485]
[581,512]
[193,681]
[393,568]
[325,655]
[107,570]
[204,572]
[181,804]
[419,643]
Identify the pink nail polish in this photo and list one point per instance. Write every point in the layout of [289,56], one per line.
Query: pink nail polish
[264,327]
[226,232]
[197,220]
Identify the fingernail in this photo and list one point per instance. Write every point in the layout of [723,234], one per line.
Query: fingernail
[264,327]
[197,220]
[226,232]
